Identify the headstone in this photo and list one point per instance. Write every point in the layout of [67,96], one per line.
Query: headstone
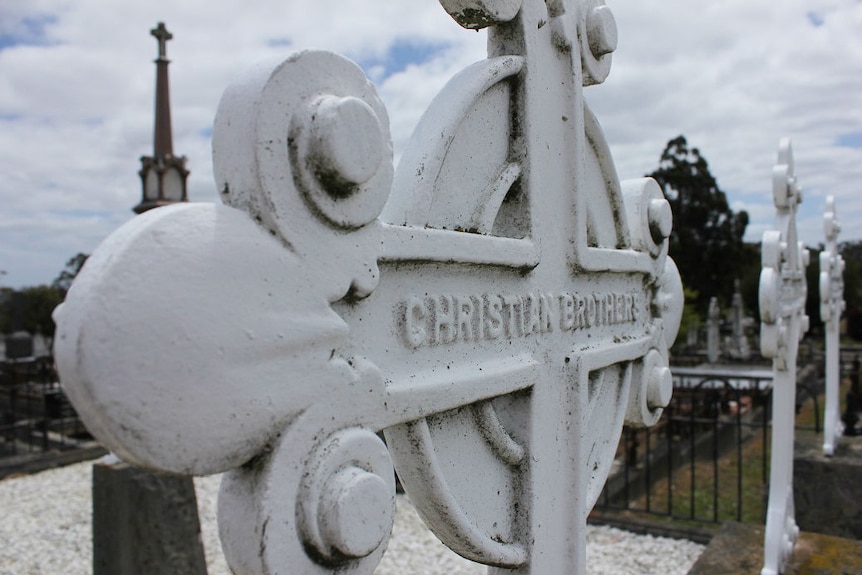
[691,335]
[144,523]
[713,331]
[782,295]
[827,489]
[498,307]
[19,345]
[740,348]
[831,307]
[736,549]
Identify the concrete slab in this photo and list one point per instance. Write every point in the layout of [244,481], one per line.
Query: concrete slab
[738,549]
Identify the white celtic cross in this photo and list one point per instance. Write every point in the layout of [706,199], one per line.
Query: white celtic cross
[831,307]
[498,307]
[783,323]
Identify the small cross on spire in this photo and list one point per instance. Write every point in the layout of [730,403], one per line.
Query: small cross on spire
[162,35]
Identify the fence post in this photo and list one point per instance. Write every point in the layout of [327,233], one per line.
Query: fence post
[782,295]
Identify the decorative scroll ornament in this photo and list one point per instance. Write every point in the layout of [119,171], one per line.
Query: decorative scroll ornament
[498,308]
[783,292]
[831,307]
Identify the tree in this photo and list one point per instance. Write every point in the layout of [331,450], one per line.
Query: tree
[852,254]
[70,272]
[39,304]
[30,308]
[5,315]
[706,241]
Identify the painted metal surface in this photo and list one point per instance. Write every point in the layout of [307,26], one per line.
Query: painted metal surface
[831,307]
[782,294]
[498,307]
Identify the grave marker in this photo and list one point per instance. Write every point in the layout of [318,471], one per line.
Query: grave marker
[498,307]
[782,294]
[713,331]
[831,307]
[740,347]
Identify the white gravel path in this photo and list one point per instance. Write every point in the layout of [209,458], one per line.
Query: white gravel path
[45,530]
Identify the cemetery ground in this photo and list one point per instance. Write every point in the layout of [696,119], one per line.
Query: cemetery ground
[711,483]
[46,530]
[47,516]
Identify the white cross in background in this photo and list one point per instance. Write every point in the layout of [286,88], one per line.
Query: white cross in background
[782,296]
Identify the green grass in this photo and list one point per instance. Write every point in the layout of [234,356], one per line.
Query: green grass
[695,502]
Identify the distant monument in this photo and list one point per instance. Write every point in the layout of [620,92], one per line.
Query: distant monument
[144,521]
[163,175]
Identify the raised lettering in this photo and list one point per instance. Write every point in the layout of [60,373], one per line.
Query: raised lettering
[445,319]
[610,309]
[509,303]
[546,312]
[494,321]
[445,329]
[567,312]
[464,313]
[533,323]
[580,314]
[414,321]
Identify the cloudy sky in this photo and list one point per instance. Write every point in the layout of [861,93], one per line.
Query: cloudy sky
[734,76]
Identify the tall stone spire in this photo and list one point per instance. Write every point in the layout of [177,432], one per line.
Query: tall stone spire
[163,175]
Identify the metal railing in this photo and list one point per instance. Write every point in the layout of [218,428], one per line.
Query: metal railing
[707,460]
[36,418]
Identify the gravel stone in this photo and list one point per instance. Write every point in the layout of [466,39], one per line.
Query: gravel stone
[45,529]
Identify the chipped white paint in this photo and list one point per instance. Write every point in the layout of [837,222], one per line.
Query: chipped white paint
[498,308]
[831,307]
[783,323]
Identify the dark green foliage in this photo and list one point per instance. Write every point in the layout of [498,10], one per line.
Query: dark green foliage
[38,305]
[70,272]
[29,309]
[852,253]
[5,319]
[706,241]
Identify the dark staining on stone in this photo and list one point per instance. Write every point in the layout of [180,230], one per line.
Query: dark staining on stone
[473,18]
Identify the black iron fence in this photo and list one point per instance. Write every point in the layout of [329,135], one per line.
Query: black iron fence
[36,419]
[707,460]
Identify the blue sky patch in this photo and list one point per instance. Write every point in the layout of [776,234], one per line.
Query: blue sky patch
[29,31]
[277,42]
[206,132]
[815,19]
[851,140]
[402,54]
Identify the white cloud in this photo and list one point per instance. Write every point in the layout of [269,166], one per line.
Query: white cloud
[76,97]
